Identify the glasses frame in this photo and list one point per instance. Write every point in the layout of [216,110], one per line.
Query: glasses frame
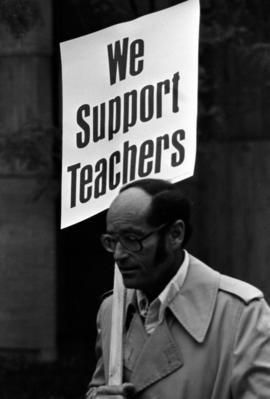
[138,240]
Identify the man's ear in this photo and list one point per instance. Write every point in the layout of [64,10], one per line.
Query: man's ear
[177,233]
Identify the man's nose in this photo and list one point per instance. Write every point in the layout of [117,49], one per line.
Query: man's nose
[119,252]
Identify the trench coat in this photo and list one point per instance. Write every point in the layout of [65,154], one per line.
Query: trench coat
[214,342]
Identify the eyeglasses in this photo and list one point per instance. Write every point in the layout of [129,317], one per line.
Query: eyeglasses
[128,241]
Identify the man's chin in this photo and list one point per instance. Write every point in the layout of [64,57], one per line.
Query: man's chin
[130,280]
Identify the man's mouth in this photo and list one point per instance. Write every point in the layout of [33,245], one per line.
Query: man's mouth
[127,270]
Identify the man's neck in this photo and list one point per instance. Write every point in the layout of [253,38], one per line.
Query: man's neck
[153,292]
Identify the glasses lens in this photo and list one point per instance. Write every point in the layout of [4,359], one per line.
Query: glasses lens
[131,243]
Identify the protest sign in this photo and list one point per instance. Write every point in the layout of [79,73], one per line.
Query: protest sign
[129,107]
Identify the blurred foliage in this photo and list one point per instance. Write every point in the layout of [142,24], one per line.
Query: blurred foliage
[234,69]
[19,16]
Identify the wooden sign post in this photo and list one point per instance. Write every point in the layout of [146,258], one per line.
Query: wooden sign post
[116,348]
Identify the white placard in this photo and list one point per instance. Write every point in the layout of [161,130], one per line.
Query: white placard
[129,107]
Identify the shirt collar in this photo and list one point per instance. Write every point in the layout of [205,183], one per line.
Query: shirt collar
[174,286]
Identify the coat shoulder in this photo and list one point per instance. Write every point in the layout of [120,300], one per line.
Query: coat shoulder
[246,292]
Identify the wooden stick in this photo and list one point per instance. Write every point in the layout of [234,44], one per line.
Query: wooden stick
[116,348]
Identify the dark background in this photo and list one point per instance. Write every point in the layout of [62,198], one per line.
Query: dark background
[52,279]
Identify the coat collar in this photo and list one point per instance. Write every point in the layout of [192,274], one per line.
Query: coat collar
[194,305]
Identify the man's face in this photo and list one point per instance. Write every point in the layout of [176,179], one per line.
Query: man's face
[141,270]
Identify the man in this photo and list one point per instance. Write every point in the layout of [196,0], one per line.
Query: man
[189,332]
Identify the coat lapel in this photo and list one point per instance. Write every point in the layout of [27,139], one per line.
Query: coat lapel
[150,358]
[193,307]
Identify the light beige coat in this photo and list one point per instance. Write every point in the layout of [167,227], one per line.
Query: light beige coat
[213,344]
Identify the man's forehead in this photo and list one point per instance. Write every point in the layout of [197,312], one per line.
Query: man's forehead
[132,203]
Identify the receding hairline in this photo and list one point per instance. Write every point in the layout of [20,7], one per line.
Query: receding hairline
[132,198]
[150,186]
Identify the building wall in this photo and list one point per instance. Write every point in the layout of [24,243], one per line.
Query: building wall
[230,194]
[27,203]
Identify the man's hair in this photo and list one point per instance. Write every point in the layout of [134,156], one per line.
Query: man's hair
[168,203]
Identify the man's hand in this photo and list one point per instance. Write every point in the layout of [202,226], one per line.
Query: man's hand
[126,391]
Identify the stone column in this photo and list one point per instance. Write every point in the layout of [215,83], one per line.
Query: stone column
[27,200]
